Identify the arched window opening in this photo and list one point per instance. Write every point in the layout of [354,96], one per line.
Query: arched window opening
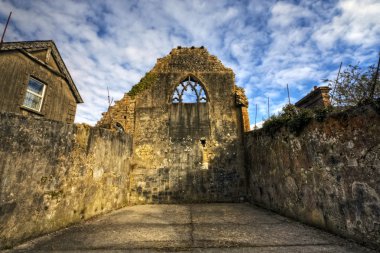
[189,91]
[119,127]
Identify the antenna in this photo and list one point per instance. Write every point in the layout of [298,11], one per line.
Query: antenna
[5,29]
[332,94]
[109,98]
[287,87]
[255,116]
[268,107]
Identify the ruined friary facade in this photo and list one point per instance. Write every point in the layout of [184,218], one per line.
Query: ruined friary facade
[187,119]
[179,136]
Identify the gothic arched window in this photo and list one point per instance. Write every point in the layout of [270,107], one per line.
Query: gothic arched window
[189,91]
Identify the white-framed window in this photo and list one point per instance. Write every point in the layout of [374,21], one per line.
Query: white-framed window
[34,95]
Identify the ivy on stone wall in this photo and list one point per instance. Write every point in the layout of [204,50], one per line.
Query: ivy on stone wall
[294,118]
[146,82]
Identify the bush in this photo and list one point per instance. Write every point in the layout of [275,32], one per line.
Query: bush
[294,118]
[320,114]
[289,111]
[273,124]
[300,121]
[376,105]
[353,86]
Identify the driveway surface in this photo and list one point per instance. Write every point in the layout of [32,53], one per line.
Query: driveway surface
[190,228]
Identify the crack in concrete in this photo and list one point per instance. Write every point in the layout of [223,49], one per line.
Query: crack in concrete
[192,227]
[195,229]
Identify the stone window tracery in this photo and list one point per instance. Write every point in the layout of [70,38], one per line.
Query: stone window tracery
[189,91]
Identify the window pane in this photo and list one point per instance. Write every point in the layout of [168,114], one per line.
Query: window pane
[32,101]
[189,95]
[189,91]
[175,98]
[35,86]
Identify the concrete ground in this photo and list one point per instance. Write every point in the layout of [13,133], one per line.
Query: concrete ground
[194,228]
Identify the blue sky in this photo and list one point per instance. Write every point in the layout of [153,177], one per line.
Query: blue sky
[267,43]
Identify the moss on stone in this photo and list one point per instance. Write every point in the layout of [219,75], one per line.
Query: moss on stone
[146,82]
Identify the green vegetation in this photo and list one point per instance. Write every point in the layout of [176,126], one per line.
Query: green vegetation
[376,105]
[355,86]
[146,82]
[294,118]
[300,120]
[320,114]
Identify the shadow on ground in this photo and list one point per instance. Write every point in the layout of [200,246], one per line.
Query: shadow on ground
[190,228]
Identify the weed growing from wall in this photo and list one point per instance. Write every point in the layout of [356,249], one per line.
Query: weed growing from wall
[146,82]
[294,118]
[320,114]
[297,123]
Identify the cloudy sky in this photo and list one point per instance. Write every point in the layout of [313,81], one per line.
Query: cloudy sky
[267,43]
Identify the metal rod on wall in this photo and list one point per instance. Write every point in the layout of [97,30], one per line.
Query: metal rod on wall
[109,98]
[375,79]
[255,116]
[336,81]
[287,87]
[5,29]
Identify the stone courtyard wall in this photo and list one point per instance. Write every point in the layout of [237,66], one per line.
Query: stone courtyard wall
[328,176]
[54,174]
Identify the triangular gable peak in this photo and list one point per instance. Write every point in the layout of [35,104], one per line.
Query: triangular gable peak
[47,53]
[186,61]
[46,56]
[194,59]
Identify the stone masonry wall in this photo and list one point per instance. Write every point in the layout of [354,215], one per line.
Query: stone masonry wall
[185,152]
[188,152]
[328,176]
[54,174]
[121,114]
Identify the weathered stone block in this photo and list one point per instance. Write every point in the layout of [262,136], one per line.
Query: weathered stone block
[180,147]
[54,174]
[329,179]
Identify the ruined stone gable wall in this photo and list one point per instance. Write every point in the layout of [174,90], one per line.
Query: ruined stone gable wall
[121,114]
[54,174]
[170,168]
[328,176]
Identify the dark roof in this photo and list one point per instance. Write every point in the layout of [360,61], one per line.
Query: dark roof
[45,44]
[312,95]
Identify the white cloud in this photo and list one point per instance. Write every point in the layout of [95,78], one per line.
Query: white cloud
[257,126]
[267,43]
[285,15]
[357,23]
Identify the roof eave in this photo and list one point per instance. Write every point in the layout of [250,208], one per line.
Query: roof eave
[57,56]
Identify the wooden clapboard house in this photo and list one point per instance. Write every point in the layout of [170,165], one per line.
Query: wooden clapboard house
[35,81]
